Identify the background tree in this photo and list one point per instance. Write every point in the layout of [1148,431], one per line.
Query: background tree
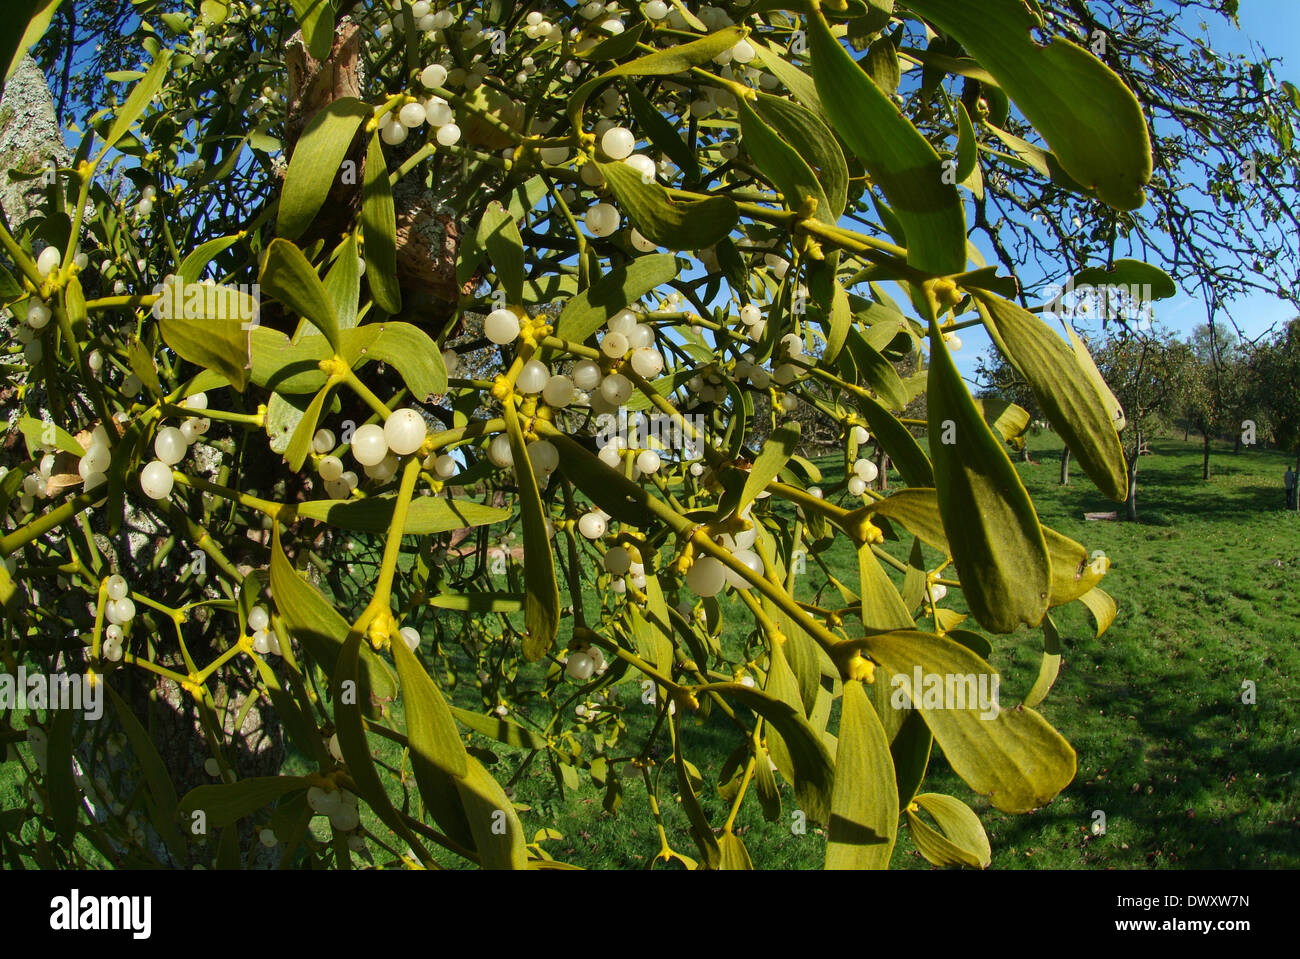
[1148,372]
[1274,367]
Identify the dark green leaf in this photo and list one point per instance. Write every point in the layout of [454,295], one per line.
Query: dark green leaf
[992,529]
[674,224]
[316,161]
[379,226]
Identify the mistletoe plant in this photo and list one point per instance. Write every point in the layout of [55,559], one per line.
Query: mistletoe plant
[343,296]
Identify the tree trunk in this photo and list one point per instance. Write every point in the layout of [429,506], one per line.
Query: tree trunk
[883,467]
[1024,453]
[1187,431]
[1131,503]
[1205,460]
[1236,441]
[1065,467]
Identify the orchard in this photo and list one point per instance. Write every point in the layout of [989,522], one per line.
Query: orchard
[422,386]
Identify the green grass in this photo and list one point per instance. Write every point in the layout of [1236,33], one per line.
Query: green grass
[1208,587]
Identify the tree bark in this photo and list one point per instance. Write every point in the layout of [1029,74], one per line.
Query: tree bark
[1130,504]
[1205,459]
[1065,467]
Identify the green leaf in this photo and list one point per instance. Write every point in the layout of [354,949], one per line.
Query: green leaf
[345,689]
[305,431]
[963,841]
[1101,606]
[1009,420]
[661,133]
[769,796]
[701,831]
[614,47]
[876,372]
[812,138]
[1128,273]
[609,489]
[210,327]
[734,855]
[864,803]
[674,224]
[1016,759]
[1044,162]
[379,226]
[502,730]
[498,234]
[343,283]
[498,834]
[315,163]
[918,511]
[625,284]
[1080,106]
[316,17]
[903,449]
[479,602]
[542,593]
[967,150]
[1050,666]
[838,322]
[25,24]
[910,748]
[804,657]
[227,803]
[430,729]
[898,157]
[290,278]
[141,96]
[412,352]
[197,260]
[64,796]
[992,529]
[882,65]
[674,59]
[813,771]
[425,515]
[777,450]
[782,164]
[314,623]
[796,81]
[882,606]
[1094,375]
[781,684]
[1063,388]
[214,11]
[285,367]
[37,432]
[1073,574]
